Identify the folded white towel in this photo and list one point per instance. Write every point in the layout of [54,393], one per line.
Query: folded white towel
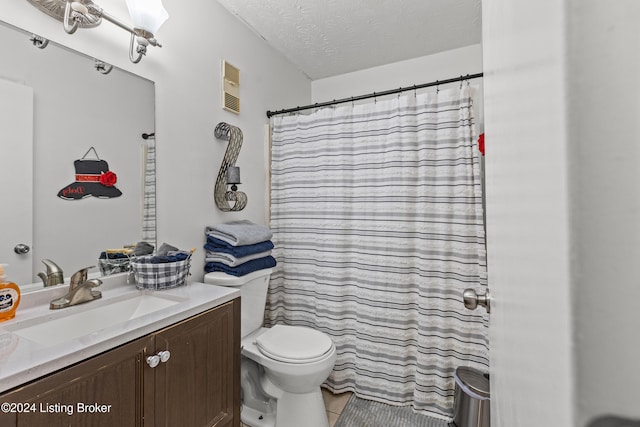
[239,233]
[231,260]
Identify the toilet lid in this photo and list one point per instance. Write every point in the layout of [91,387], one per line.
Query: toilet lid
[294,344]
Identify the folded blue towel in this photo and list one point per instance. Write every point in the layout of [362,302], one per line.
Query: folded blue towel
[117,255]
[230,260]
[217,245]
[238,233]
[242,269]
[172,256]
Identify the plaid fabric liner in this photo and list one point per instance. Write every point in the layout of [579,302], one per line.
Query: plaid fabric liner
[163,275]
[112,266]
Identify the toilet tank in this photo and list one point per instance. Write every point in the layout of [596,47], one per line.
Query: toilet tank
[253,293]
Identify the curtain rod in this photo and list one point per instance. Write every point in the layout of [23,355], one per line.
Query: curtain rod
[373,95]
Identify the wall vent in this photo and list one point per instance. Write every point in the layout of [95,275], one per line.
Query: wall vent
[230,87]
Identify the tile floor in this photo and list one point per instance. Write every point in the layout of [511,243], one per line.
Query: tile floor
[334,404]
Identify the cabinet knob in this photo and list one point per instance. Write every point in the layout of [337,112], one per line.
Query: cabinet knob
[164,356]
[153,361]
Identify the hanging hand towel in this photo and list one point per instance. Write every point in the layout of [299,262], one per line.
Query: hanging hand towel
[242,232]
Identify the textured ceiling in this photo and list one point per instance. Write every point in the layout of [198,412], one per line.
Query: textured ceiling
[329,37]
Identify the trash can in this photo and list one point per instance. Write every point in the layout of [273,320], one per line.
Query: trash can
[471,398]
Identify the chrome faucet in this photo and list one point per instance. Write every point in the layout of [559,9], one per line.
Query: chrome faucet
[53,276]
[80,290]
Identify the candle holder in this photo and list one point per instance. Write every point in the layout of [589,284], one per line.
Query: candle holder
[233,177]
[229,174]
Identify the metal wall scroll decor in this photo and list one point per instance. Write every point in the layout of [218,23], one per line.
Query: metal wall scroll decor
[229,173]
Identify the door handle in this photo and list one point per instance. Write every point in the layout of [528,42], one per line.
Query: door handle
[472,299]
[21,249]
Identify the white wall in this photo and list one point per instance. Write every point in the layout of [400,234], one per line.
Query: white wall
[425,69]
[186,71]
[563,209]
[527,192]
[604,109]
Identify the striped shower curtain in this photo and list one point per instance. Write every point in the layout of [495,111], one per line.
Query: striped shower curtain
[376,211]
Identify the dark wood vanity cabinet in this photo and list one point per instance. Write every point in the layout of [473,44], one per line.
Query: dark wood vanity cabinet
[118,378]
[198,386]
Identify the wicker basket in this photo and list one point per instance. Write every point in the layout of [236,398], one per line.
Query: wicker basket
[164,275]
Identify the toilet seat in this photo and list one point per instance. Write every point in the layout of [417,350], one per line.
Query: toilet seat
[294,344]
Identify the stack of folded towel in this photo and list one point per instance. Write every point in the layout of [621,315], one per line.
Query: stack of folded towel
[238,248]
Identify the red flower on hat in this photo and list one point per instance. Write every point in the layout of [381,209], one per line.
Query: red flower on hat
[108,179]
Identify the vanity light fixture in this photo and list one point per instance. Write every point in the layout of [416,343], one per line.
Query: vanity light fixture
[147,17]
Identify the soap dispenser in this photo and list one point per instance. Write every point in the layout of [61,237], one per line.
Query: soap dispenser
[9,297]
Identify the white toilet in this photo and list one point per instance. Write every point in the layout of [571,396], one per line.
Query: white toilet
[282,367]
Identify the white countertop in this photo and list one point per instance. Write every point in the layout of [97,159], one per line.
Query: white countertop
[23,360]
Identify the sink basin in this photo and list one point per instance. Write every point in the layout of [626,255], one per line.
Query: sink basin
[84,319]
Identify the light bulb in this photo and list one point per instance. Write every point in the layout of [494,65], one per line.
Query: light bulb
[79,7]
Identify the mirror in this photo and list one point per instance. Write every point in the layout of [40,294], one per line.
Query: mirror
[78,111]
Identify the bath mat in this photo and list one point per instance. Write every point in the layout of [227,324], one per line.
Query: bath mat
[366,413]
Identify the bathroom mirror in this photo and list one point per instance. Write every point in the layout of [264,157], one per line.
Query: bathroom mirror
[77,111]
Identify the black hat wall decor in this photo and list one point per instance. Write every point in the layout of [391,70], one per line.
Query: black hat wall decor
[93,178]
